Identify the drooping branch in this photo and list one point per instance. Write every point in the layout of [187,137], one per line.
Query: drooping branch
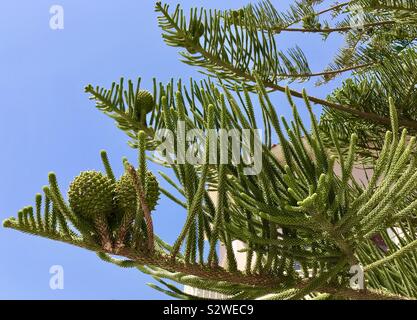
[335,29]
[348,109]
[328,72]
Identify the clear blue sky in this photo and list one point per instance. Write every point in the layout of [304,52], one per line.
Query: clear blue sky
[48,124]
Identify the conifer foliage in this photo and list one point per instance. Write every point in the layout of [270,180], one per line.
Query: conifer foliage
[305,220]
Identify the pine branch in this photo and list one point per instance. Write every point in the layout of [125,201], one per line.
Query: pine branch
[409,6]
[164,262]
[144,206]
[398,254]
[267,17]
[215,274]
[335,29]
[227,71]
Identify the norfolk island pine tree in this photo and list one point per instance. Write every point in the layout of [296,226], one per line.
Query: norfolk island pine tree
[303,224]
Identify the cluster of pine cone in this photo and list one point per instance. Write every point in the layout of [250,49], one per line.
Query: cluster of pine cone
[110,207]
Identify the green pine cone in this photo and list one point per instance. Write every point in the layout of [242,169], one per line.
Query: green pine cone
[238,16]
[152,190]
[145,101]
[197,30]
[91,194]
[126,195]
